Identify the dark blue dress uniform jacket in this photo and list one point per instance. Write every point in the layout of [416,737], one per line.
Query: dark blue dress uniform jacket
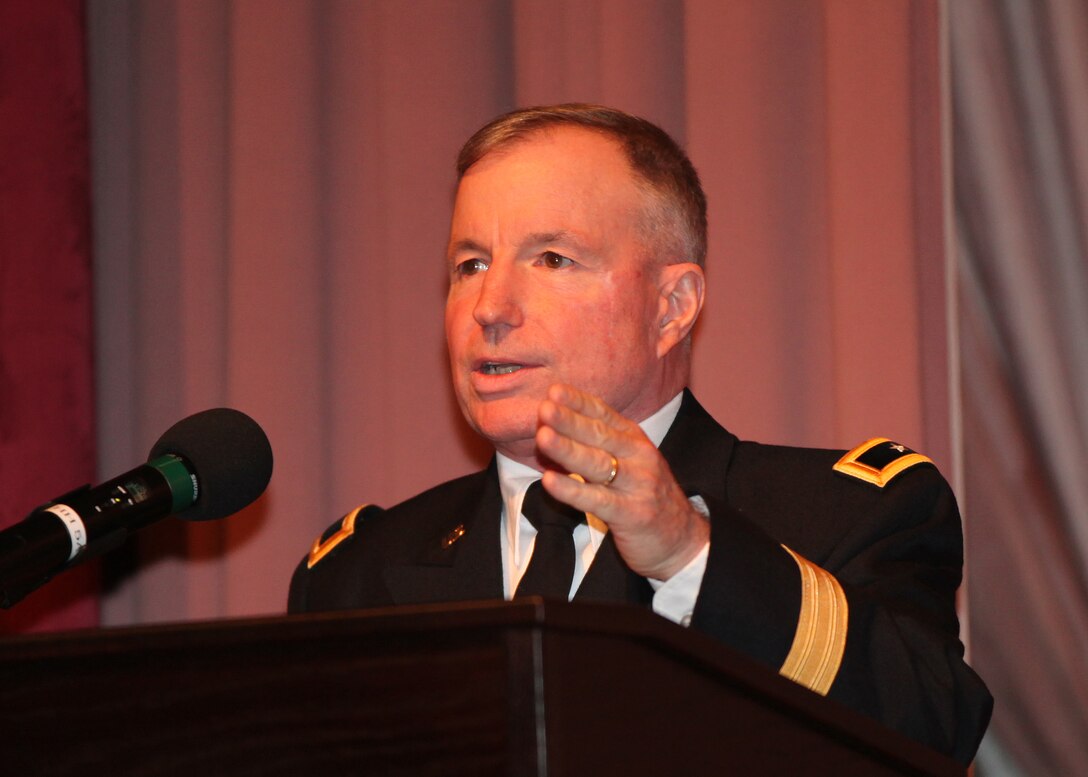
[895,551]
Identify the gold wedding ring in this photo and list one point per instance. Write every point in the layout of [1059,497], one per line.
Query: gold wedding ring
[612,474]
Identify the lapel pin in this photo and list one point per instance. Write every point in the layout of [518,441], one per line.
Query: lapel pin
[453,536]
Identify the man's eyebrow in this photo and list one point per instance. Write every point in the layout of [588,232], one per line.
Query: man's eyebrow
[466,244]
[558,236]
[533,239]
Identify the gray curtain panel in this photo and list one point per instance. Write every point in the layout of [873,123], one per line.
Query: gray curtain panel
[1020,97]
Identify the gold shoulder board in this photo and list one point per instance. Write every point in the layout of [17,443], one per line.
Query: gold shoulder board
[879,460]
[323,547]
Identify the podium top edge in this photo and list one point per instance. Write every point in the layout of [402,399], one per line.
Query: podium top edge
[694,649]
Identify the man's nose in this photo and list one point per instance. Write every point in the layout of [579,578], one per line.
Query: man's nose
[499,302]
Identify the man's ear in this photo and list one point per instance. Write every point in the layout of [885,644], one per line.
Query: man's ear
[681,288]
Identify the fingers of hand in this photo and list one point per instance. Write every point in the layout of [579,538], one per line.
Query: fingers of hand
[606,436]
[587,497]
[586,405]
[588,460]
[570,423]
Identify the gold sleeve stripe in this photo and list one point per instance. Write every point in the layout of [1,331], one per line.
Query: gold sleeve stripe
[850,464]
[347,528]
[820,639]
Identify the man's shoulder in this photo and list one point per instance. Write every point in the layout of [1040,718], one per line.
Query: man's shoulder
[812,498]
[346,565]
[875,467]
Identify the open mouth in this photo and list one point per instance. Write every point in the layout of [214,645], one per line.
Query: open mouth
[499,368]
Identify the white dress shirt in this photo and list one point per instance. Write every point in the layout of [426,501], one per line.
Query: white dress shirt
[673,598]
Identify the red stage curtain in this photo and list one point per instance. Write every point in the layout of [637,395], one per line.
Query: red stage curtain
[46,397]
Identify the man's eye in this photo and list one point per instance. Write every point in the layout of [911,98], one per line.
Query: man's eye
[554,261]
[470,267]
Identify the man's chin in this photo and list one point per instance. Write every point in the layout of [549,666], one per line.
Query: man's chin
[509,424]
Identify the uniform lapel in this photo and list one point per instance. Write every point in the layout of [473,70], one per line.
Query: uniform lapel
[461,560]
[698,450]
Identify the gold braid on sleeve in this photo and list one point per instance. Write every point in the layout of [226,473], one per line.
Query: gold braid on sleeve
[818,644]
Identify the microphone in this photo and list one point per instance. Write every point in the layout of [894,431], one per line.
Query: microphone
[207,466]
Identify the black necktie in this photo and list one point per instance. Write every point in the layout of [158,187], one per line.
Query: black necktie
[551,568]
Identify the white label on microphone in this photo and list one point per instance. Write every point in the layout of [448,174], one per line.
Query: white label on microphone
[74,524]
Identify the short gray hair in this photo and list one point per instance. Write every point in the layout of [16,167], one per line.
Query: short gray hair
[656,159]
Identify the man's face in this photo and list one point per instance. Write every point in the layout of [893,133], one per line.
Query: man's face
[551,281]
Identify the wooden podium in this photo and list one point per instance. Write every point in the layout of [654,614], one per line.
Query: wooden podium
[521,689]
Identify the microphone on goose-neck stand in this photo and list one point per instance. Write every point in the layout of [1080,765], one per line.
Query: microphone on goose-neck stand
[207,466]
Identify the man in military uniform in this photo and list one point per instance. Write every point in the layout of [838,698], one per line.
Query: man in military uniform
[576,275]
